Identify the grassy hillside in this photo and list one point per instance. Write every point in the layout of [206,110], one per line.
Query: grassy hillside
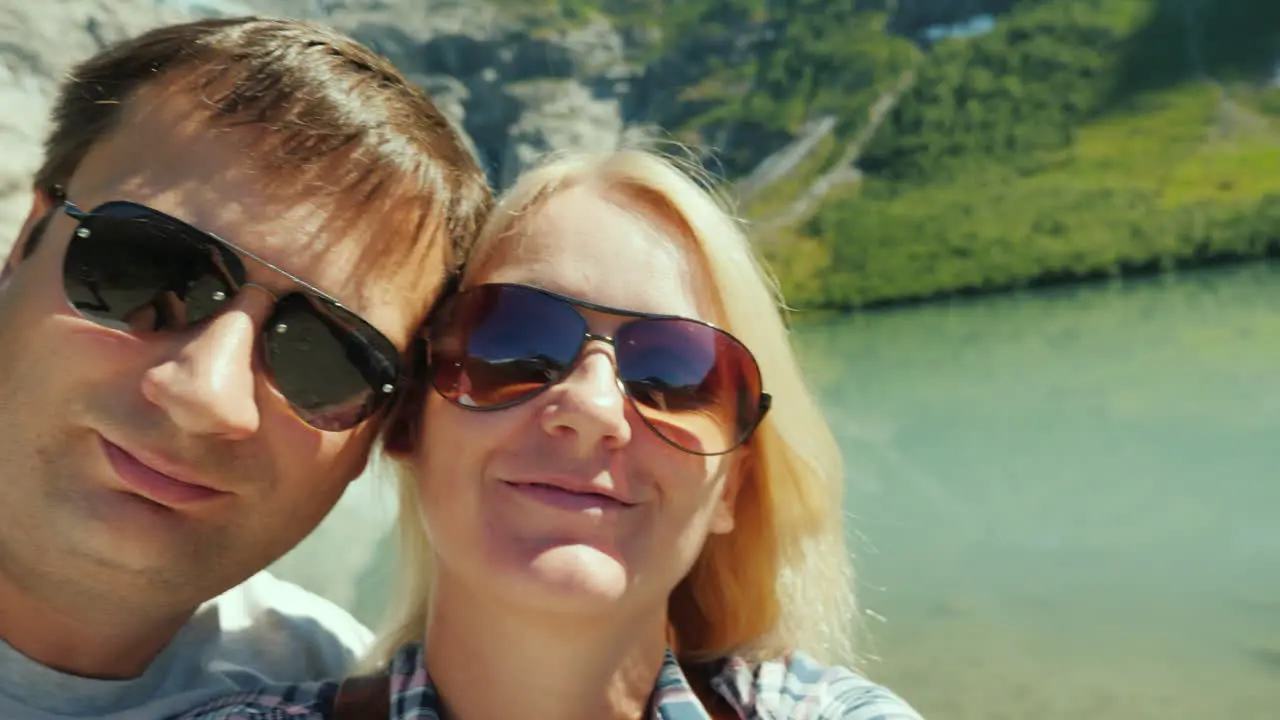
[1080,138]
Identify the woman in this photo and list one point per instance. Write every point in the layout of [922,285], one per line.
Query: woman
[609,507]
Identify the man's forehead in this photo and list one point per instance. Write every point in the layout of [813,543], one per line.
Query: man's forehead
[205,178]
[315,240]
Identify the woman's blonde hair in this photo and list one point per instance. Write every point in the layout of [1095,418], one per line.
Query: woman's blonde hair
[782,580]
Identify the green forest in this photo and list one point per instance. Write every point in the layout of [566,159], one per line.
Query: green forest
[1076,139]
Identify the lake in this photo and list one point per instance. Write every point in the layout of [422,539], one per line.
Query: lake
[1064,504]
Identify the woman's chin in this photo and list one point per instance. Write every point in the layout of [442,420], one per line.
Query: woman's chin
[573,579]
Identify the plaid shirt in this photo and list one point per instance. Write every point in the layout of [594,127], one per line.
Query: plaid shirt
[795,689]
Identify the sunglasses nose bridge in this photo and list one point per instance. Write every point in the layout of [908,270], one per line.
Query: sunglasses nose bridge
[264,310]
[597,337]
[271,307]
[610,345]
[270,293]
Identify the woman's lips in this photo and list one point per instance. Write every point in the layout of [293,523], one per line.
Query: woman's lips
[566,499]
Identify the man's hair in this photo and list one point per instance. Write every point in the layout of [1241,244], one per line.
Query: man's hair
[326,115]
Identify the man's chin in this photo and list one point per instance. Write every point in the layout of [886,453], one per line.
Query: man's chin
[130,533]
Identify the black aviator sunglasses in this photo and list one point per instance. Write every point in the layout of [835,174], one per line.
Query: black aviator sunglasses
[133,268]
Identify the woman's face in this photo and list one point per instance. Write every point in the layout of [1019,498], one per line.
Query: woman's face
[510,496]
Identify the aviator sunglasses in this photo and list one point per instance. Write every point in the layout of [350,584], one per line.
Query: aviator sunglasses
[136,269]
[497,345]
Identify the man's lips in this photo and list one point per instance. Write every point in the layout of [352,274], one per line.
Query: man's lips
[152,483]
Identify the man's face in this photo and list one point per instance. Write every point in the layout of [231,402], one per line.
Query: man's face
[92,420]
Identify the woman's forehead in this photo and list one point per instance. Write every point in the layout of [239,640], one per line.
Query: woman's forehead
[587,247]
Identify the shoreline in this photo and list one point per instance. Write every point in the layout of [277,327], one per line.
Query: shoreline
[1146,271]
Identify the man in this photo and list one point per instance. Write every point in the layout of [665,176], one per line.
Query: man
[236,230]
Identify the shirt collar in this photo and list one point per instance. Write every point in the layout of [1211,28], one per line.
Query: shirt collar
[413,695]
[673,696]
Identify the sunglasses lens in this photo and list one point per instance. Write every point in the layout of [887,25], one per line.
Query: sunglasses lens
[332,367]
[495,345]
[131,269]
[695,385]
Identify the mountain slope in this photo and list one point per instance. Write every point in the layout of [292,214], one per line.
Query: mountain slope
[1080,138]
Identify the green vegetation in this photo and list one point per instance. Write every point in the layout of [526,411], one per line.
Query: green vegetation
[548,13]
[1079,138]
[1137,191]
[752,73]
[1076,140]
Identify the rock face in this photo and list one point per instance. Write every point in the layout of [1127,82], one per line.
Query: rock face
[518,96]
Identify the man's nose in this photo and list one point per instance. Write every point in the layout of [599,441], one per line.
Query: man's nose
[209,387]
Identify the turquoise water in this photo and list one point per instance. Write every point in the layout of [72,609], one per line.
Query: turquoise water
[1065,505]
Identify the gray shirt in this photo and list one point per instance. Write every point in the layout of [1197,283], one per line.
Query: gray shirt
[264,632]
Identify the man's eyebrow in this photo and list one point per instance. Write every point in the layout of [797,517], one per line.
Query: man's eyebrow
[286,280]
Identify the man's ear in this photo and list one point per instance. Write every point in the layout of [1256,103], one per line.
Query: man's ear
[38,216]
[400,438]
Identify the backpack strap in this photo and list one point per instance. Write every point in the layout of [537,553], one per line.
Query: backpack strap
[363,697]
[699,676]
